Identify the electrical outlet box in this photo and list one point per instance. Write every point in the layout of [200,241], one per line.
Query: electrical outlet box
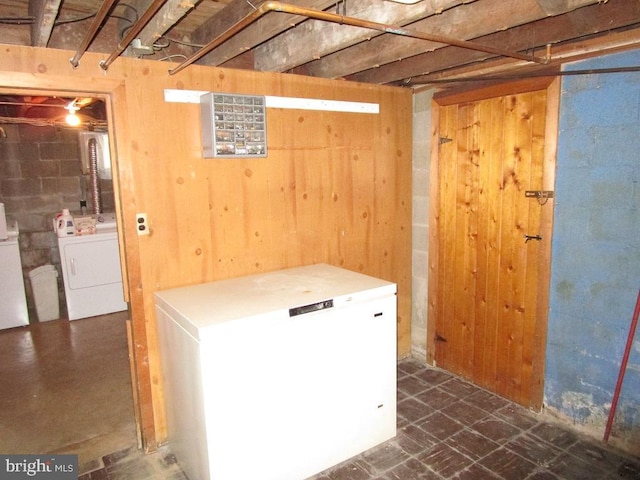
[142,226]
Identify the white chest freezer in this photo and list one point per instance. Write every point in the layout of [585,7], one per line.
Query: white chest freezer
[278,376]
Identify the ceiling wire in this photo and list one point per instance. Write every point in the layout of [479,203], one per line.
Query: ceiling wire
[28,20]
[17,20]
[179,42]
[46,122]
[27,104]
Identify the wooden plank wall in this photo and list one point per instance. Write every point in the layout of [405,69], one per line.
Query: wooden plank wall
[335,188]
[489,287]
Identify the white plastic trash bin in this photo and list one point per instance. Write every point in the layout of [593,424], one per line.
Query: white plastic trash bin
[44,285]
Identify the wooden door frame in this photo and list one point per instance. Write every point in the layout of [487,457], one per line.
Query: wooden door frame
[552,87]
[113,93]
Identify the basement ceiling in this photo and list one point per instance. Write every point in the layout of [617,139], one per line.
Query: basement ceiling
[431,42]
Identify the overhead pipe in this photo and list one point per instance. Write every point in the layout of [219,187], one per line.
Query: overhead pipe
[133,32]
[502,78]
[93,30]
[271,6]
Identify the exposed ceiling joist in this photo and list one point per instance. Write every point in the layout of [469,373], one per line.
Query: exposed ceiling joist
[432,39]
[492,17]
[502,69]
[44,13]
[557,7]
[273,6]
[291,48]
[170,14]
[580,23]
[270,27]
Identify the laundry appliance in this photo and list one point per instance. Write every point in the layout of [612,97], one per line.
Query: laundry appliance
[91,271]
[13,301]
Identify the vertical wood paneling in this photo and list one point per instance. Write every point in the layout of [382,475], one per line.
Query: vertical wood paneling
[546,229]
[471,200]
[488,278]
[447,238]
[460,248]
[490,113]
[335,187]
[433,294]
[536,248]
[515,181]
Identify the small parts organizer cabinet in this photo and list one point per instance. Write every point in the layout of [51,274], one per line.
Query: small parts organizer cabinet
[280,375]
[233,125]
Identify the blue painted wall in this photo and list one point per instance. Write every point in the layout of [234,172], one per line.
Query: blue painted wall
[595,273]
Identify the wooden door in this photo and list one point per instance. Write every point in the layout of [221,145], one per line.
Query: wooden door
[488,283]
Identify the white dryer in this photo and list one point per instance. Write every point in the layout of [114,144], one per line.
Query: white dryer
[91,273]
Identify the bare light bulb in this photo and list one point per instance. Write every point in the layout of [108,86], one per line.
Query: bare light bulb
[72,119]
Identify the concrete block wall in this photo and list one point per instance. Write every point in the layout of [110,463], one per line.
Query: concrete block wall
[595,273]
[40,174]
[420,240]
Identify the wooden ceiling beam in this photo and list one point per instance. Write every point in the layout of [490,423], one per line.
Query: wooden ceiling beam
[551,30]
[170,14]
[45,13]
[558,7]
[269,26]
[503,67]
[341,19]
[465,22]
[314,38]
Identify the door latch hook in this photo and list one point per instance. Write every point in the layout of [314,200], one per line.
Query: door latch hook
[532,237]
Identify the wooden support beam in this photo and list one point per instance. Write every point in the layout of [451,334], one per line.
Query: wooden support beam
[165,19]
[556,7]
[611,43]
[268,27]
[314,38]
[44,13]
[583,22]
[489,16]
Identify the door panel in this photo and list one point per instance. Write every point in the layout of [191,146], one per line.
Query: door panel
[93,262]
[486,305]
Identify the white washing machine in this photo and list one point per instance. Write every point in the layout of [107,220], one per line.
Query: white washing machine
[91,272]
[13,301]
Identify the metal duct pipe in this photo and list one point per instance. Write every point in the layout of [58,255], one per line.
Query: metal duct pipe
[93,30]
[133,32]
[96,194]
[271,6]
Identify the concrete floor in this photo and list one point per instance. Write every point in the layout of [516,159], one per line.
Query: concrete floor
[66,388]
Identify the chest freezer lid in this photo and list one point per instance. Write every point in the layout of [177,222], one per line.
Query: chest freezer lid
[206,305]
